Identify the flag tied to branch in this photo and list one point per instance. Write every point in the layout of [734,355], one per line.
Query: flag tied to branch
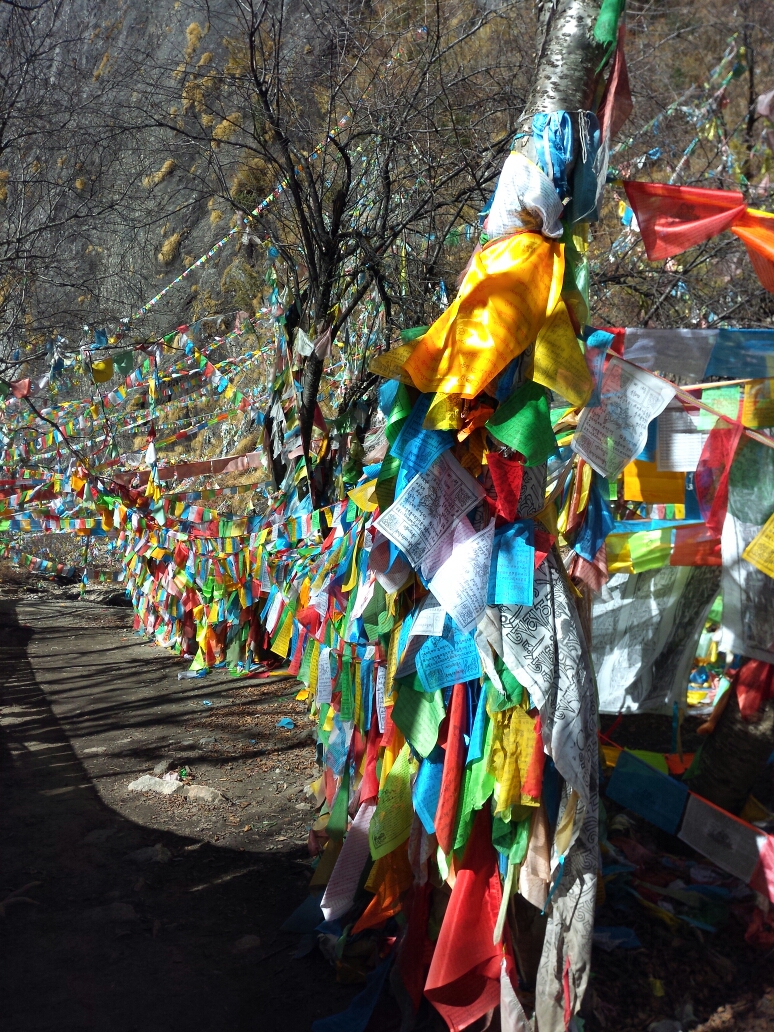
[674,218]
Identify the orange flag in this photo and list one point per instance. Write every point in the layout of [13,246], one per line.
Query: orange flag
[390,879]
[695,546]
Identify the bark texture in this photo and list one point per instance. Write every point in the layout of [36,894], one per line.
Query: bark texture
[568,57]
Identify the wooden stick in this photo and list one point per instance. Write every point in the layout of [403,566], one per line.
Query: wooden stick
[723,383]
[681,393]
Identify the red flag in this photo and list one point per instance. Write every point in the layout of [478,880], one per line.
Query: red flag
[369,786]
[674,218]
[464,978]
[754,687]
[543,543]
[453,767]
[594,574]
[711,476]
[416,943]
[309,618]
[319,420]
[506,476]
[616,104]
[298,655]
[533,782]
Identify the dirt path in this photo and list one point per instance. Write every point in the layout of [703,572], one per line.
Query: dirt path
[158,914]
[115,940]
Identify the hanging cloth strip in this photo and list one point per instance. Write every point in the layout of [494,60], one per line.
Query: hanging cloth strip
[674,218]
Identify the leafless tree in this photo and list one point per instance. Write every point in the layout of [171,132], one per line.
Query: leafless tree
[66,183]
[384,126]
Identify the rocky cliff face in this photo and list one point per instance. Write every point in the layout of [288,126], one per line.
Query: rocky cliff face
[101,200]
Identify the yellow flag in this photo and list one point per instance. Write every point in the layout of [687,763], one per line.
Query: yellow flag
[102,371]
[619,559]
[644,482]
[351,579]
[364,496]
[282,641]
[444,413]
[513,743]
[394,814]
[390,364]
[760,551]
[392,663]
[559,363]
[499,311]
[758,404]
[314,665]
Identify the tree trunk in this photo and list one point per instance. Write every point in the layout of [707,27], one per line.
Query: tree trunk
[310,386]
[568,63]
[734,756]
[568,58]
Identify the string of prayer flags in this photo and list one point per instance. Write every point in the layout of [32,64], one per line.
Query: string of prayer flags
[431,610]
[674,218]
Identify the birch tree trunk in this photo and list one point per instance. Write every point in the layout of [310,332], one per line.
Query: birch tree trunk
[568,58]
[568,62]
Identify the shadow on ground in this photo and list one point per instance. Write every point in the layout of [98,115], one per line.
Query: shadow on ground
[114,943]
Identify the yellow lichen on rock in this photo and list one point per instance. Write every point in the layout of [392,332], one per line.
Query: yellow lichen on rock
[169,249]
[158,177]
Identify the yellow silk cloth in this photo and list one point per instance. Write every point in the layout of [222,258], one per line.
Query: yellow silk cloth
[513,743]
[510,298]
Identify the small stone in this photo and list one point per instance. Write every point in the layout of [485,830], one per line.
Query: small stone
[202,794]
[163,766]
[119,912]
[147,783]
[246,943]
[157,854]
[207,740]
[302,806]
[96,750]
